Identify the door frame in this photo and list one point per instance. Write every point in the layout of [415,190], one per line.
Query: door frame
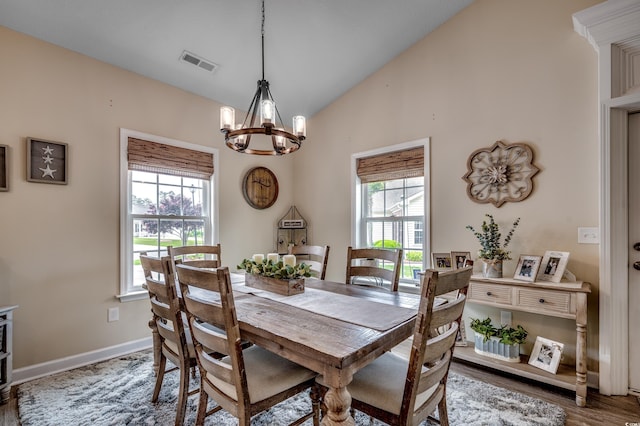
[612,28]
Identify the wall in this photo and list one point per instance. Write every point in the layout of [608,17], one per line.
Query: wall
[59,257]
[499,70]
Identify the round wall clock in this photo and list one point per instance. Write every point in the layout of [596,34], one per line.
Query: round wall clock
[260,188]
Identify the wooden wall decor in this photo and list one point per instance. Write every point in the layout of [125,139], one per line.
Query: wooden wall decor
[500,173]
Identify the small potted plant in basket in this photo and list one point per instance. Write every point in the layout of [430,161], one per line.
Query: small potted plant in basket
[498,342]
[492,252]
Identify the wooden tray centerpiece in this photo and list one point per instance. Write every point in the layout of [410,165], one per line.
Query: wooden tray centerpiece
[274,275]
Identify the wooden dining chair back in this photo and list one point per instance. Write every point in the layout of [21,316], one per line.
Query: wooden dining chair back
[370,266]
[202,256]
[404,392]
[174,342]
[314,256]
[243,382]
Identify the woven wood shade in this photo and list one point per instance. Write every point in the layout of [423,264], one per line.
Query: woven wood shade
[155,157]
[392,165]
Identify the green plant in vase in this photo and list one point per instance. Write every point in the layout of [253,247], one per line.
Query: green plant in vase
[270,269]
[492,251]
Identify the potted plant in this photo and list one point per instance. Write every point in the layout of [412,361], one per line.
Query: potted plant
[492,252]
[275,276]
[498,342]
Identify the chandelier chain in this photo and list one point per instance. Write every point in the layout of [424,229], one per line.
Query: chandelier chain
[262,33]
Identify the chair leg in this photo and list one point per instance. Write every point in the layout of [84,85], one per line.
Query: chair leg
[183,394]
[315,403]
[442,411]
[202,405]
[162,364]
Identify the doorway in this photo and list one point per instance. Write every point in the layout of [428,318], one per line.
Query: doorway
[634,253]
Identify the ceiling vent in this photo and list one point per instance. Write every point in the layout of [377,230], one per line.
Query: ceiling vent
[198,61]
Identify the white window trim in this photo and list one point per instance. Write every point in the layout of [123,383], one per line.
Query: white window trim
[356,192]
[126,294]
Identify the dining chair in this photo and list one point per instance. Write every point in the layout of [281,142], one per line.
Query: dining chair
[400,391]
[174,342]
[370,266]
[243,382]
[314,256]
[202,256]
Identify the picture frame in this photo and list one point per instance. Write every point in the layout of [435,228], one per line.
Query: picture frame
[546,354]
[47,161]
[527,269]
[459,259]
[4,168]
[553,266]
[441,260]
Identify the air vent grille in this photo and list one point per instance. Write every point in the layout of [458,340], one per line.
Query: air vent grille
[198,61]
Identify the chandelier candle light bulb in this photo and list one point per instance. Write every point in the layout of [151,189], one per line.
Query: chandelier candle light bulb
[289,259]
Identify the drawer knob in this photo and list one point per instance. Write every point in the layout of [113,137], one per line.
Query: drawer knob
[541,300]
[489,293]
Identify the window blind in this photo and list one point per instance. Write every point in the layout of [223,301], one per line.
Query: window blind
[147,156]
[391,165]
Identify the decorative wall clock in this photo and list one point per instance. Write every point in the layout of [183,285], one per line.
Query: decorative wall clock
[500,173]
[260,188]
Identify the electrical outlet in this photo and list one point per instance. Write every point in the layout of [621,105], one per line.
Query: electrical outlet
[505,318]
[588,236]
[113,314]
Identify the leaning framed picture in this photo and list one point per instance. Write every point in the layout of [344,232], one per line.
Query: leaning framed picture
[47,161]
[4,168]
[459,259]
[546,354]
[553,266]
[441,260]
[527,268]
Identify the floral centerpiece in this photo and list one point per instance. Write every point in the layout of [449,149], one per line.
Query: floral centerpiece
[277,277]
[492,252]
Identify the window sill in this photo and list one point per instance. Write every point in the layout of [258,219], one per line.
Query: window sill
[134,295]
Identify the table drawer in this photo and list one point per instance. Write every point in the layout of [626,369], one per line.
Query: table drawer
[549,301]
[490,293]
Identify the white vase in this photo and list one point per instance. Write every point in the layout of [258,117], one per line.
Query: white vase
[493,348]
[491,268]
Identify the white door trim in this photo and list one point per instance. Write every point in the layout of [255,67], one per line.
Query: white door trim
[613,28]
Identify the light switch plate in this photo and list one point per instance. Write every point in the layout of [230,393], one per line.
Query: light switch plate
[113,314]
[588,236]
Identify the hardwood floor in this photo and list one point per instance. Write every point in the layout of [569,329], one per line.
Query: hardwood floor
[600,409]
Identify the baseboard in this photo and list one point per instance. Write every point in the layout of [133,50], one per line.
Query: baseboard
[593,379]
[35,371]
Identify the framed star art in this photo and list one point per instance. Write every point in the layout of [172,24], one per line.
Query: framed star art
[47,161]
[500,173]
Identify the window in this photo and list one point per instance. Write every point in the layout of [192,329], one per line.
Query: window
[390,206]
[166,200]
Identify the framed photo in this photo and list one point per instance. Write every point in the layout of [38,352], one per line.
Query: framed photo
[553,266]
[441,260]
[527,268]
[4,168]
[47,161]
[546,354]
[459,259]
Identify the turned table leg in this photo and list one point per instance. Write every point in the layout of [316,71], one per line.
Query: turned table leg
[581,351]
[155,336]
[338,403]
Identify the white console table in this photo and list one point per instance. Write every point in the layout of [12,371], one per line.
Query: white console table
[561,300]
[6,351]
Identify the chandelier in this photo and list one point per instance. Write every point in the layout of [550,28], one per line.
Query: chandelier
[262,118]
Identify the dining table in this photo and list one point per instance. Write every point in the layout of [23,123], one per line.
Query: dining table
[331,328]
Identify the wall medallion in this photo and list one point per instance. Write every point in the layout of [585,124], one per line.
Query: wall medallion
[500,173]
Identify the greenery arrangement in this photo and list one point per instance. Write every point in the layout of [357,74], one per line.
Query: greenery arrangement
[489,237]
[271,269]
[507,335]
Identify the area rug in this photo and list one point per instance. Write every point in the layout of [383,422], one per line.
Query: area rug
[118,392]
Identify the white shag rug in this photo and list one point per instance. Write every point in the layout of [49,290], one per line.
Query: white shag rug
[118,392]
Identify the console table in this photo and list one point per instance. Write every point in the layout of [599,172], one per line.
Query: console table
[561,300]
[6,351]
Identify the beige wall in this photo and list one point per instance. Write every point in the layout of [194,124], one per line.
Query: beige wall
[59,257]
[510,70]
[499,70]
